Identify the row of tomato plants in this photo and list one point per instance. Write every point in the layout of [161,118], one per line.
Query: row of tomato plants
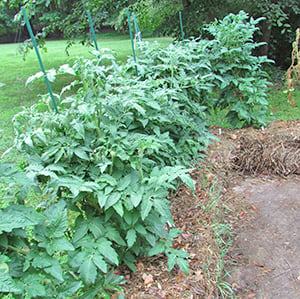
[101,169]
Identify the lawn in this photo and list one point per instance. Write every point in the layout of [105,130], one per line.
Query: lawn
[280,108]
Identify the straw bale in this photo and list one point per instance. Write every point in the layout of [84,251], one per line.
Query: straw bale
[279,155]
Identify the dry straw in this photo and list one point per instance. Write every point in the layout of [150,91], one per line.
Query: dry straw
[278,155]
[293,72]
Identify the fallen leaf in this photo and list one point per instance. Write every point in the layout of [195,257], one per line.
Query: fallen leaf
[254,208]
[140,267]
[180,276]
[266,271]
[198,276]
[193,255]
[258,264]
[242,214]
[148,278]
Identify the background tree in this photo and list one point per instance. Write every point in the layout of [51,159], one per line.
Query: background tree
[7,25]
[282,17]
[68,18]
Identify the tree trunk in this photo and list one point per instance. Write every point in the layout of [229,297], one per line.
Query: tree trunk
[186,3]
[266,36]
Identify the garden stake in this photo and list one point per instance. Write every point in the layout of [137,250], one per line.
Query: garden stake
[39,58]
[181,26]
[137,30]
[94,35]
[131,37]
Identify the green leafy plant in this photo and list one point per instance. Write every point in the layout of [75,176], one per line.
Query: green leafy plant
[243,84]
[220,73]
[109,159]
[32,244]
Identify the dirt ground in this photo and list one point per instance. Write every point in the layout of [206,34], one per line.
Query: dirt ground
[267,255]
[266,249]
[258,202]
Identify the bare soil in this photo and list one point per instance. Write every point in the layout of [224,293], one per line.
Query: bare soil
[267,254]
[256,218]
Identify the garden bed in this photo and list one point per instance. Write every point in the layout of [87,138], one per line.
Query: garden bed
[209,226]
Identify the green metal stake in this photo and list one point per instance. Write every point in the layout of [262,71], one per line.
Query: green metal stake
[131,37]
[94,35]
[181,26]
[137,30]
[39,58]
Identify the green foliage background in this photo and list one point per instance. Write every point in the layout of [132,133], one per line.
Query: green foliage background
[68,18]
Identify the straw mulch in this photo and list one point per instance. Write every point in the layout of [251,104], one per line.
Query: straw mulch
[279,155]
[272,151]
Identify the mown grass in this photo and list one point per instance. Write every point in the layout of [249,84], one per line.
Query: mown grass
[279,108]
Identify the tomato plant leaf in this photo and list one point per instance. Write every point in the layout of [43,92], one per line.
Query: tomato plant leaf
[100,263]
[18,216]
[7,285]
[131,237]
[146,206]
[105,248]
[88,271]
[112,199]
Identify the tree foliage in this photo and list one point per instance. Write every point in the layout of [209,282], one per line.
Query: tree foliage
[7,25]
[281,20]
[68,18]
